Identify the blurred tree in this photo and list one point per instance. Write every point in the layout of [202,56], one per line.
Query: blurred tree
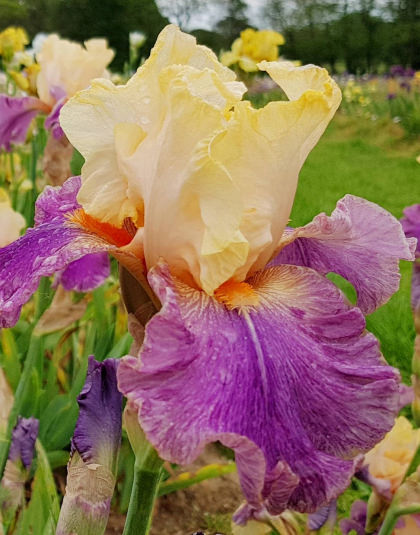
[181,11]
[234,21]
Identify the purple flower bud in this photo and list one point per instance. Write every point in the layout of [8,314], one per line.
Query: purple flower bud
[96,440]
[17,467]
[23,441]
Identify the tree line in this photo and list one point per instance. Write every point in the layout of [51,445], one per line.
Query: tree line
[352,35]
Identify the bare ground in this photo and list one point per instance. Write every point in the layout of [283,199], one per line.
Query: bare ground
[205,507]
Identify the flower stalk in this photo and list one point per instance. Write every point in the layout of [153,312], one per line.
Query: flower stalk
[147,475]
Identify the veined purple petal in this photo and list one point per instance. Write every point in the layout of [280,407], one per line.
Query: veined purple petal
[23,441]
[16,115]
[296,380]
[87,273]
[41,252]
[97,435]
[48,248]
[52,122]
[322,516]
[360,241]
[411,223]
[56,202]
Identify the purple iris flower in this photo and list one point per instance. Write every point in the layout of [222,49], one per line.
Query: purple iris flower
[95,445]
[16,116]
[18,465]
[23,441]
[295,385]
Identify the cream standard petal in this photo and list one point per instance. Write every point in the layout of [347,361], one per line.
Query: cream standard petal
[70,67]
[263,151]
[90,119]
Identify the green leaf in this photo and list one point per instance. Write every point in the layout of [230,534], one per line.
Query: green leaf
[41,515]
[57,422]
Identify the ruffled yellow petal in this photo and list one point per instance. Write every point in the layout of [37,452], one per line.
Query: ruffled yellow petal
[211,178]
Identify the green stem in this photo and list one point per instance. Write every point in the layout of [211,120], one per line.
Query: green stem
[25,378]
[147,474]
[389,522]
[392,516]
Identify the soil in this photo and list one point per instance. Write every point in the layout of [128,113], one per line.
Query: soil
[205,507]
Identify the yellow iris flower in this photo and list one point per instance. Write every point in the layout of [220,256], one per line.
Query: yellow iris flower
[12,39]
[390,458]
[252,47]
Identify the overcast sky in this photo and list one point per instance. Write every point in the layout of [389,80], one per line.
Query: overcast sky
[214,12]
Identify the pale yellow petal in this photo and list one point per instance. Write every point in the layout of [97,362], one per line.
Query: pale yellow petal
[228,58]
[176,63]
[213,177]
[263,151]
[69,66]
[247,64]
[391,457]
[11,222]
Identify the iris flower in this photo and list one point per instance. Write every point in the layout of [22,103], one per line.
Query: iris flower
[64,68]
[191,188]
[12,39]
[252,47]
[16,472]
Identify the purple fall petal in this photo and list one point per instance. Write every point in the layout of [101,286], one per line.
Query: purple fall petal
[56,202]
[406,395]
[41,252]
[411,226]
[16,114]
[296,381]
[23,441]
[98,430]
[321,516]
[360,241]
[46,249]
[87,273]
